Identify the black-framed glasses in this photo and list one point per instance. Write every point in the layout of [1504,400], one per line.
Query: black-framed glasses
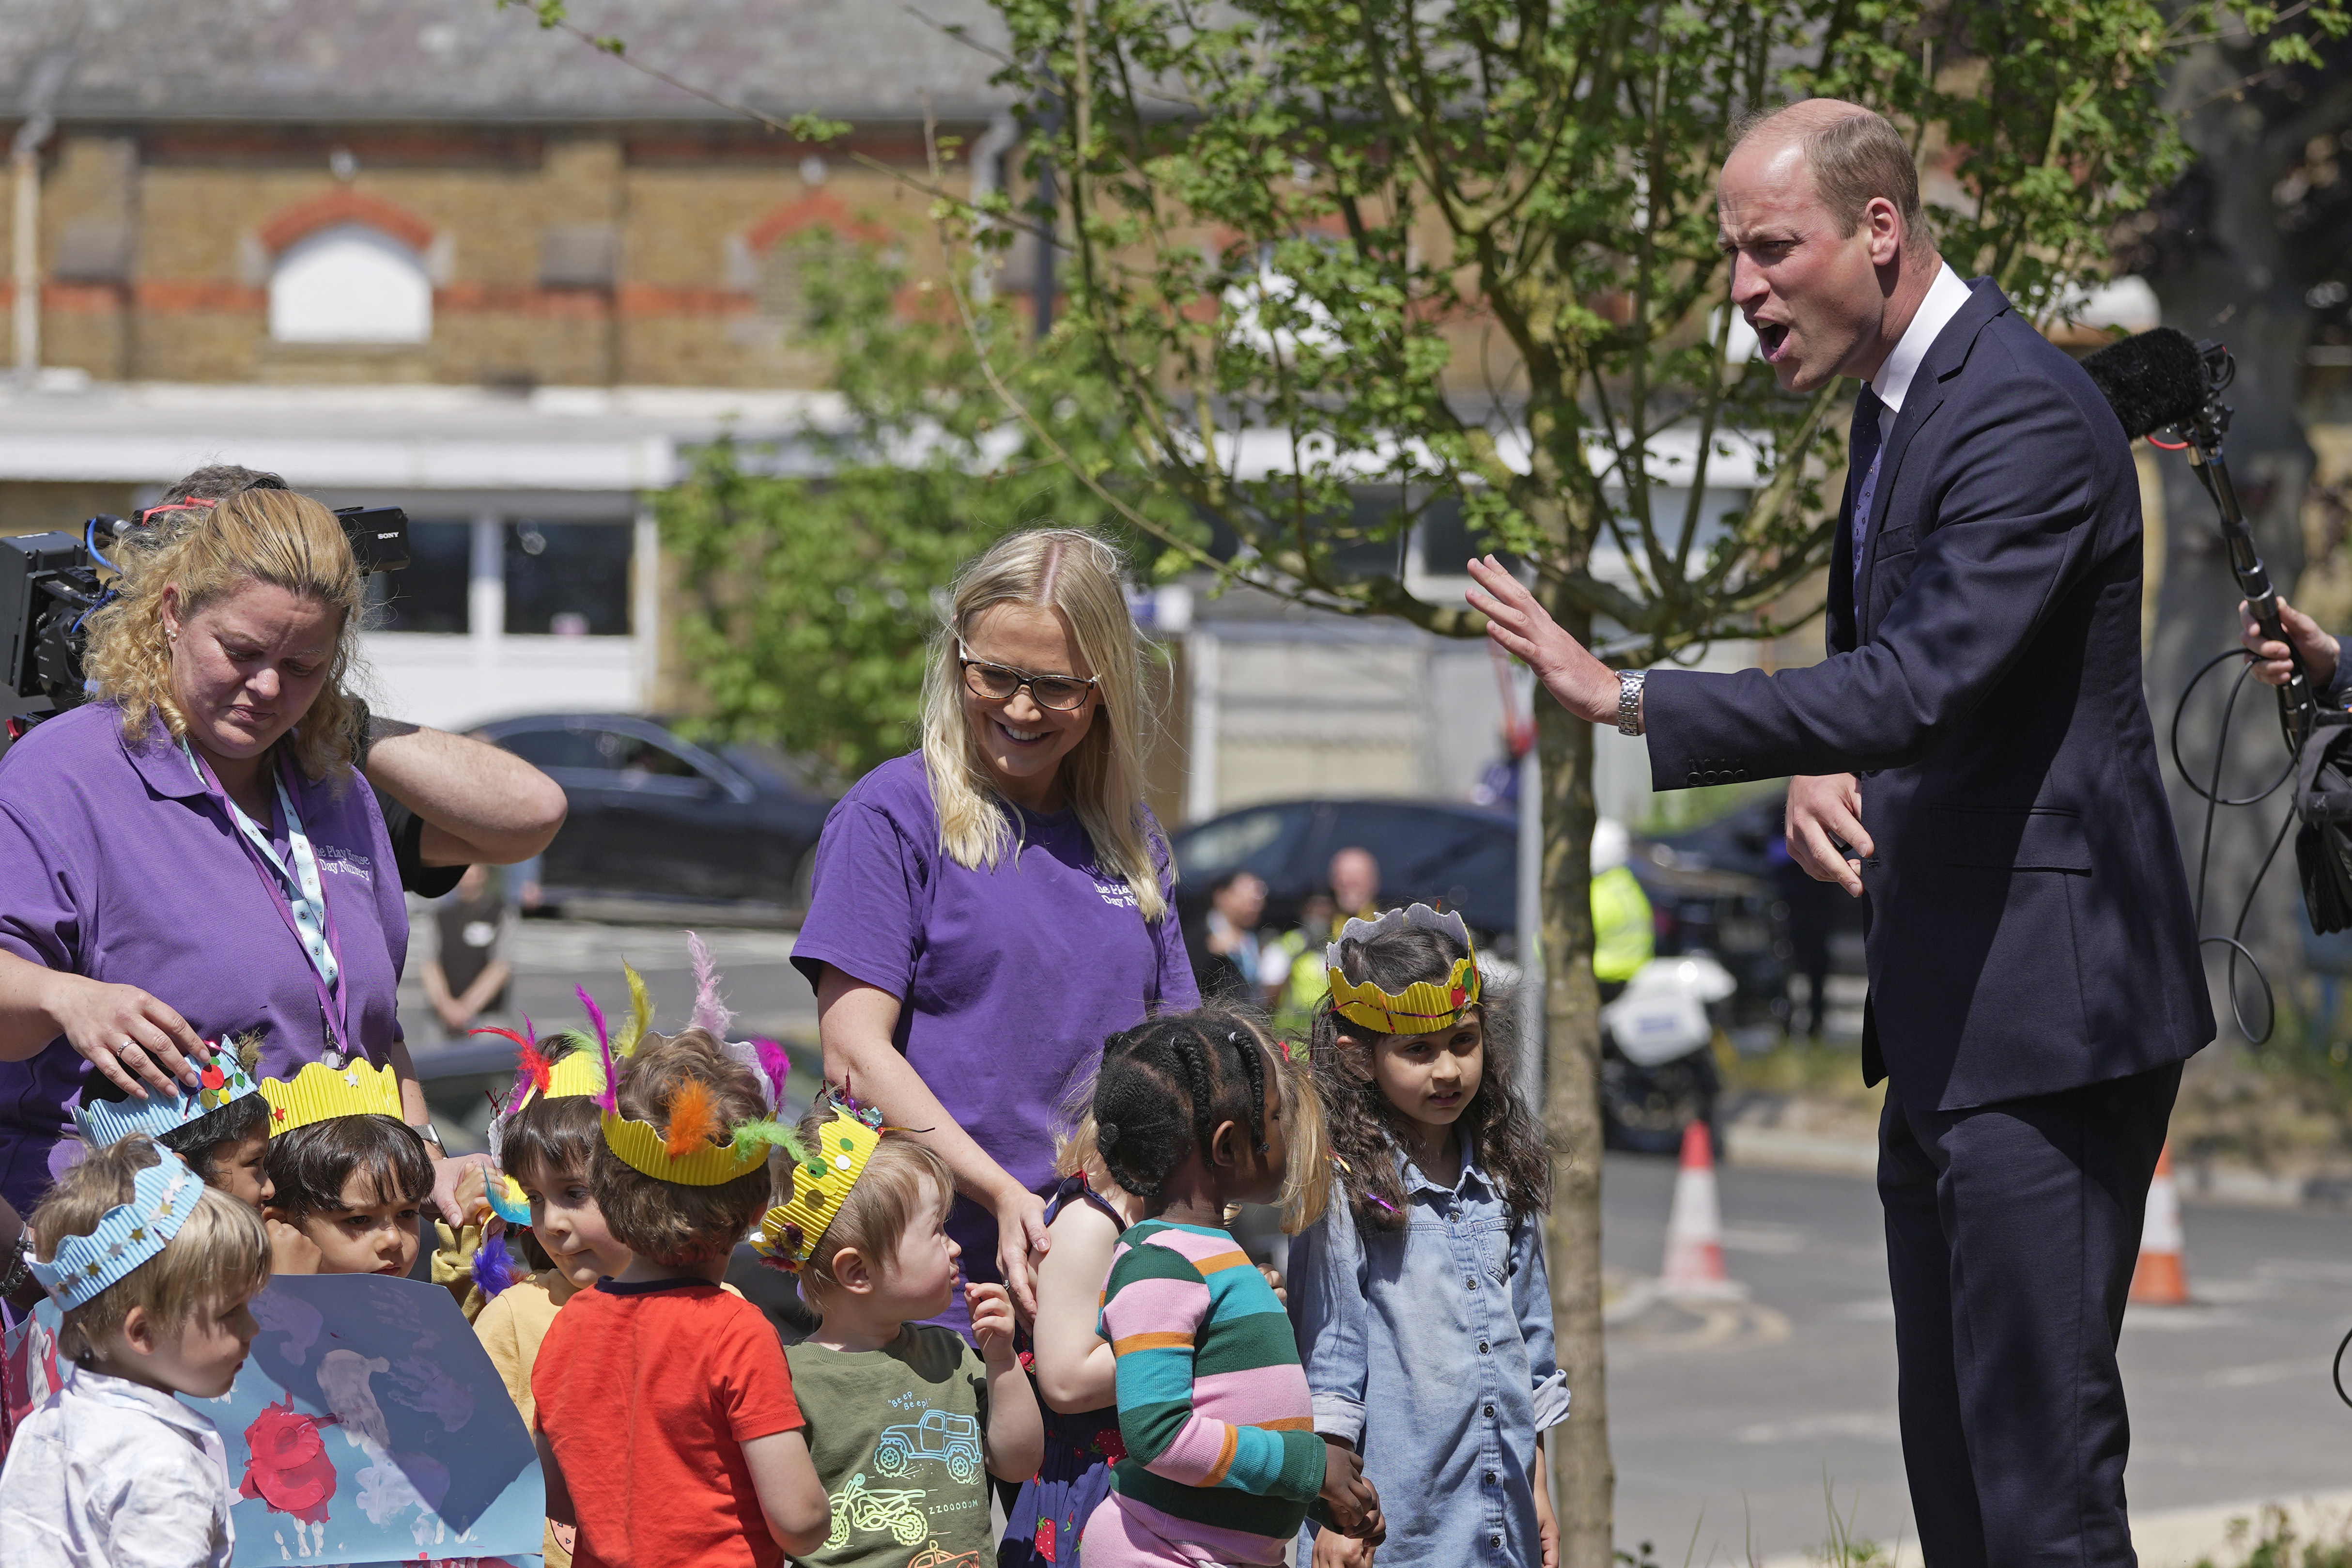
[997,682]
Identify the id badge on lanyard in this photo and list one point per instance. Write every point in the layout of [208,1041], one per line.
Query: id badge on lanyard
[322,947]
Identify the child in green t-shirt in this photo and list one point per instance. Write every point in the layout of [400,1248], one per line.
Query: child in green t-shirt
[903,1418]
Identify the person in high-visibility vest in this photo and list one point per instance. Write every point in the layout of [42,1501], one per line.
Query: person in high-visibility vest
[1623,936]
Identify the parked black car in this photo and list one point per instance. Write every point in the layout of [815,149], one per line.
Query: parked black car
[1465,858]
[654,815]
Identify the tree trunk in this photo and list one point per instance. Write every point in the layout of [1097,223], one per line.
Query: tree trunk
[1586,1480]
[2222,273]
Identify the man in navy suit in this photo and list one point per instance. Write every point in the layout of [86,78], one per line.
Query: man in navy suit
[1978,741]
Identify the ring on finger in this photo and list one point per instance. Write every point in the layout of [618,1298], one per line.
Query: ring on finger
[126,1048]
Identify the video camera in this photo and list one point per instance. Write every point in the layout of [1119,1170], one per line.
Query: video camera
[50,584]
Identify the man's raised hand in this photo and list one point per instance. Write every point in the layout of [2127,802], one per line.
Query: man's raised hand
[1525,629]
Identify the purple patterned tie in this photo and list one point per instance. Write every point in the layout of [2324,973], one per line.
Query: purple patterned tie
[1862,457]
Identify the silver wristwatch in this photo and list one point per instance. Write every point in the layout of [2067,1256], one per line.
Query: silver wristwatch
[1629,700]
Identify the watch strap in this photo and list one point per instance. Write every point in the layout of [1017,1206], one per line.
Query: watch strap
[1629,700]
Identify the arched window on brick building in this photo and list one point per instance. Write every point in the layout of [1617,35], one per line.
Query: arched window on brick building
[349,283]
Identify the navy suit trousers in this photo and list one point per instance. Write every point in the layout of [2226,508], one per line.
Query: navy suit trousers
[2012,1232]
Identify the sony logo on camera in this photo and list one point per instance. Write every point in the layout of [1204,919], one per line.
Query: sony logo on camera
[49,583]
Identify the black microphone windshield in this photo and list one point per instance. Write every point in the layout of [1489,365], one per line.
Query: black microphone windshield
[2153,380]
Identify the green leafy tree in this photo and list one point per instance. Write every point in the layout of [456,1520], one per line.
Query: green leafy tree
[808,595]
[1469,253]
[1465,253]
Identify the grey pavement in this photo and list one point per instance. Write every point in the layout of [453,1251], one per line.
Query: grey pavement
[1729,1422]
[550,957]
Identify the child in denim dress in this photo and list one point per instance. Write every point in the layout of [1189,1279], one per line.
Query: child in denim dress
[1420,1303]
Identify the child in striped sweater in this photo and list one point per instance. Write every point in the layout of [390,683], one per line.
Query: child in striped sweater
[1223,1464]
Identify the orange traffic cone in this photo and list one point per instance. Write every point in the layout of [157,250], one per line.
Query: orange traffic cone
[1694,1226]
[2160,1280]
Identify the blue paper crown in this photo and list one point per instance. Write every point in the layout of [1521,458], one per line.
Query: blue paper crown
[222,1082]
[162,1197]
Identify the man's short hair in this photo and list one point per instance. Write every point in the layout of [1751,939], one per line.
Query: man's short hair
[1854,155]
[220,1254]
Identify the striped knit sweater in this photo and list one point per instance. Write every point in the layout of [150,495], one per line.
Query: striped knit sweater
[1213,1403]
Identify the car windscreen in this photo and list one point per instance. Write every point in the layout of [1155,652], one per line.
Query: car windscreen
[1260,840]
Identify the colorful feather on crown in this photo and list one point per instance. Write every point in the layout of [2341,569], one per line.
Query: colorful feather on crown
[605,1099]
[709,1012]
[696,1147]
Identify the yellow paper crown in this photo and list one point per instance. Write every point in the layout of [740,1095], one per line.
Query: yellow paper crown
[321,1093]
[789,1231]
[648,1150]
[1421,1007]
[576,1074]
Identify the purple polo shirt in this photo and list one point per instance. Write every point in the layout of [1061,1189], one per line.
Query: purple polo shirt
[1008,978]
[117,865]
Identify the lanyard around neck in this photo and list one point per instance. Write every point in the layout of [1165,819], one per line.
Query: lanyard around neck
[322,948]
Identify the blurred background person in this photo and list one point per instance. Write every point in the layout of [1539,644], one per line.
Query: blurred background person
[468,975]
[1355,884]
[1227,959]
[1624,932]
[1296,975]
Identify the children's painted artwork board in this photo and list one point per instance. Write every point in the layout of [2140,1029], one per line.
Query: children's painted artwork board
[367,1427]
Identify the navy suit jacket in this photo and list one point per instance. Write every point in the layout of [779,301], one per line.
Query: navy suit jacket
[2030,924]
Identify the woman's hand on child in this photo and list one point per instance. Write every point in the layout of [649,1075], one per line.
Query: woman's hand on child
[473,1195]
[991,1307]
[448,1175]
[1020,1235]
[290,1251]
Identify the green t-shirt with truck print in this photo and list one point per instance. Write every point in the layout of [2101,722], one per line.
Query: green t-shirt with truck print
[898,1438]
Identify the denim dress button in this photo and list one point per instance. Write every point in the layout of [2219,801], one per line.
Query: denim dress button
[1482,1347]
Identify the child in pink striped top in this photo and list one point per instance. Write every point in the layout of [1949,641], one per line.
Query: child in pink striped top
[1223,1463]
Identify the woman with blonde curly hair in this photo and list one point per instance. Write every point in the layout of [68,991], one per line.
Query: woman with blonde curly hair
[987,908]
[185,858]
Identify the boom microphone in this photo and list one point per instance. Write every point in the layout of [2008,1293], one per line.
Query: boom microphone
[2151,381]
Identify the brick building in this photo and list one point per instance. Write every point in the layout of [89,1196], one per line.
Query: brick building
[426,252]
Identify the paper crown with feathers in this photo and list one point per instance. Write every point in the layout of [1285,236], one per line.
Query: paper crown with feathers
[1421,1008]
[822,1178]
[321,1093]
[162,1197]
[695,1149]
[222,1082]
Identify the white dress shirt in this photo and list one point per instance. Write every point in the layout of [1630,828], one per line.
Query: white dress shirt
[1945,297]
[112,1474]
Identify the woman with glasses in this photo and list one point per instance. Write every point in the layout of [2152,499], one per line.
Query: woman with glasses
[987,909]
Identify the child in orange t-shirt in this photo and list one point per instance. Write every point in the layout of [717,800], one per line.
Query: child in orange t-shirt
[666,1420]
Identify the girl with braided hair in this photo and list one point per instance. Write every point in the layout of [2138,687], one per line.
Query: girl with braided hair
[1085,1215]
[1195,1113]
[1421,1301]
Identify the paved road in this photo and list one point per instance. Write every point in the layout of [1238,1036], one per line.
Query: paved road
[550,957]
[1728,1423]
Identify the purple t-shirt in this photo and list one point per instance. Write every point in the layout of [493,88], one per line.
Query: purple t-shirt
[1009,980]
[117,865]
